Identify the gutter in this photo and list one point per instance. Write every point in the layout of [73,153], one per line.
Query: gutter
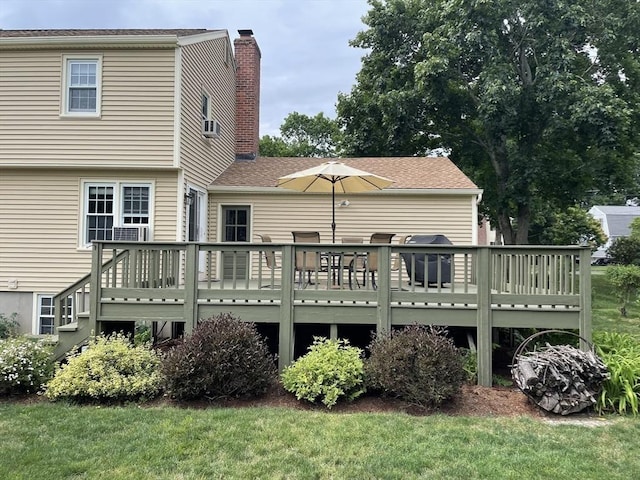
[386,191]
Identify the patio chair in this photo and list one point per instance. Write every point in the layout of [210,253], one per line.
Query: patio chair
[307,261]
[352,262]
[270,259]
[372,257]
[397,260]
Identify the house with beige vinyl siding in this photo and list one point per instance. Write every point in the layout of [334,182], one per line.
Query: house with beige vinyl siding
[106,134]
[152,135]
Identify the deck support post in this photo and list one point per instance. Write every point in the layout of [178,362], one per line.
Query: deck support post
[191,288]
[483,274]
[287,292]
[585,298]
[94,287]
[383,323]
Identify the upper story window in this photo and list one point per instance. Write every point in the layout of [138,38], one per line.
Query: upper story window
[82,92]
[108,205]
[206,105]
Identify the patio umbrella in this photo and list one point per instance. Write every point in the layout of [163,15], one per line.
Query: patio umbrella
[333,177]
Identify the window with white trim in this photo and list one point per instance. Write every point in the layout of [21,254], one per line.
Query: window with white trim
[108,205]
[206,102]
[46,314]
[82,79]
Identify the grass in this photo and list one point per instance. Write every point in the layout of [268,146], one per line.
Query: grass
[57,441]
[60,441]
[605,307]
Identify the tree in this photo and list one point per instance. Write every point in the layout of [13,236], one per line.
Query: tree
[573,226]
[536,101]
[304,136]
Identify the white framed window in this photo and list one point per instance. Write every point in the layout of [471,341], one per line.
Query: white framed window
[82,79]
[206,106]
[113,204]
[45,317]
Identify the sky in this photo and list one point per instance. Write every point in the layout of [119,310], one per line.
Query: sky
[306,57]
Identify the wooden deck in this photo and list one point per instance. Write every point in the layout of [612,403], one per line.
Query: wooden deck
[490,286]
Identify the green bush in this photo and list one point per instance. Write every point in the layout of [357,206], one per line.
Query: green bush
[110,368]
[626,280]
[25,365]
[331,369]
[8,325]
[625,251]
[224,357]
[420,365]
[620,352]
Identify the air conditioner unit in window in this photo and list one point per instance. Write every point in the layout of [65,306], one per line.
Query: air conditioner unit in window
[135,233]
[211,128]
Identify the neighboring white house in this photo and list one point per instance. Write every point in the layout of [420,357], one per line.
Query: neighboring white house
[615,221]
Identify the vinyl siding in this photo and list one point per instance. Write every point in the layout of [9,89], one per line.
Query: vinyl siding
[279,215]
[204,70]
[40,214]
[136,125]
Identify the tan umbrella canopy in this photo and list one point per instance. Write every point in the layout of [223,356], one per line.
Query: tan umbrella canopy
[333,177]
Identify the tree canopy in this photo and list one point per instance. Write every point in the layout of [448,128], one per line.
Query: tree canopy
[537,101]
[304,136]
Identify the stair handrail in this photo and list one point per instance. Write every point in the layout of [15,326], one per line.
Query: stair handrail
[61,315]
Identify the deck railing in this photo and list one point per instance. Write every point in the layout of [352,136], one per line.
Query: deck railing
[479,287]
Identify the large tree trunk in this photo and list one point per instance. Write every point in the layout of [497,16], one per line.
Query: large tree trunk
[506,228]
[524,220]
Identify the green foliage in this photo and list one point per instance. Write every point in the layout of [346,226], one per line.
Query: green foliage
[626,280]
[25,365]
[8,325]
[418,364]
[224,357]
[526,97]
[304,136]
[625,251]
[331,369]
[621,354]
[634,226]
[470,364]
[573,226]
[142,334]
[110,368]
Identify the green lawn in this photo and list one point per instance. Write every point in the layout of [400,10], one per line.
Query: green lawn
[53,441]
[59,441]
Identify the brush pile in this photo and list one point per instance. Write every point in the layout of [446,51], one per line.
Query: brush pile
[560,378]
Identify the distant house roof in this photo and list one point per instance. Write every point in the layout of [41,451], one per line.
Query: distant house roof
[406,172]
[618,218]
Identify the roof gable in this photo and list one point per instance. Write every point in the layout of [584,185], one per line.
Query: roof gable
[406,172]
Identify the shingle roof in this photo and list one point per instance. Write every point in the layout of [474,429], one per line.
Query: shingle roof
[406,172]
[98,32]
[619,218]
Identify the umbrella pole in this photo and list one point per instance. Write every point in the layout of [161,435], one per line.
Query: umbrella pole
[333,212]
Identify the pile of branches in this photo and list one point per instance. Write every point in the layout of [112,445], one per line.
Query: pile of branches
[560,378]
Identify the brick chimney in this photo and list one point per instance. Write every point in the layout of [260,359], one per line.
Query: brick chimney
[247,95]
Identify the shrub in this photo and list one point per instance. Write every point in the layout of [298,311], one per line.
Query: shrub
[8,325]
[420,365]
[626,280]
[625,251]
[620,352]
[331,369]
[223,358]
[111,368]
[25,365]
